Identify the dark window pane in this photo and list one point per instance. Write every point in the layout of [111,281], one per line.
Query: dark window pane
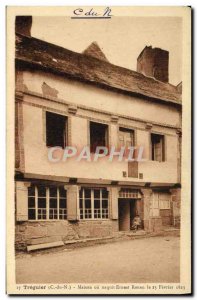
[157,147]
[97,203]
[55,130]
[31,202]
[81,193]
[97,214]
[81,203]
[62,192]
[62,203]
[52,192]
[31,214]
[87,193]
[97,194]
[105,194]
[44,216]
[41,214]
[88,214]
[41,203]
[105,204]
[98,135]
[41,191]
[53,214]
[105,215]
[53,203]
[31,191]
[87,203]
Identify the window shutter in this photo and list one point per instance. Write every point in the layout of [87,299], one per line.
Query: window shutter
[155,205]
[114,193]
[164,200]
[72,202]
[22,201]
[133,169]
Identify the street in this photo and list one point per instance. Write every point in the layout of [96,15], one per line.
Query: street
[153,259]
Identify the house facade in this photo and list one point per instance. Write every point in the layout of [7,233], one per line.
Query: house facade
[68,99]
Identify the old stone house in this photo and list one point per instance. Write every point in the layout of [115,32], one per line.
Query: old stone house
[66,98]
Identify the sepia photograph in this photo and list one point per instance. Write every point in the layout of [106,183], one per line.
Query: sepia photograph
[99,186]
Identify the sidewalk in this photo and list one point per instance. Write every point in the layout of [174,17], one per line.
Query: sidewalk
[116,237]
[123,235]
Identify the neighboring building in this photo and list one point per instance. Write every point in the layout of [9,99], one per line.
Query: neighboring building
[66,98]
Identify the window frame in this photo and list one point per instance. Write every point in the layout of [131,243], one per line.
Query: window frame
[127,129]
[65,137]
[163,147]
[106,134]
[48,208]
[100,210]
[155,203]
[164,200]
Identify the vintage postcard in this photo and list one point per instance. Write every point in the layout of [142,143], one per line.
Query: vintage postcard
[99,150]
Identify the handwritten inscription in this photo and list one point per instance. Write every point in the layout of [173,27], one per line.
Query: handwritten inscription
[92,13]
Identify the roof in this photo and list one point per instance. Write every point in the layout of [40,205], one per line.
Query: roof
[95,51]
[39,54]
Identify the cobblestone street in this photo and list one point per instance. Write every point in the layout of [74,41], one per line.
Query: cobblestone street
[153,259]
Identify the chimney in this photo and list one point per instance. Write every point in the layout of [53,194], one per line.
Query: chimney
[23,25]
[153,62]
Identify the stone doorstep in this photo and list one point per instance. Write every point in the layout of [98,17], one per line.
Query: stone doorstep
[131,233]
[116,235]
[45,246]
[49,242]
[43,240]
[69,242]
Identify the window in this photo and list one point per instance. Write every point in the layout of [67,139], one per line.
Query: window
[47,203]
[157,147]
[164,201]
[154,205]
[56,130]
[160,201]
[129,193]
[98,135]
[126,137]
[93,203]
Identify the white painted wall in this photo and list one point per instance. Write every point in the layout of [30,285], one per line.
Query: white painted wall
[36,153]
[81,93]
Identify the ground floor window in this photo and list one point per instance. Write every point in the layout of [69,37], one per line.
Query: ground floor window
[159,202]
[93,203]
[164,200]
[47,203]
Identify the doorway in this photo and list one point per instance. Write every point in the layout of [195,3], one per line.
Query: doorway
[126,213]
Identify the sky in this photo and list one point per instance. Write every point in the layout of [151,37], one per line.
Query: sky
[120,38]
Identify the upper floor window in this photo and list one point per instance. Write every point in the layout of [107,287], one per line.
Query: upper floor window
[93,203]
[126,137]
[157,147]
[98,136]
[56,130]
[47,203]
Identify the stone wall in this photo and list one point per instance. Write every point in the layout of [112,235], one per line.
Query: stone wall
[166,216]
[47,231]
[176,207]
